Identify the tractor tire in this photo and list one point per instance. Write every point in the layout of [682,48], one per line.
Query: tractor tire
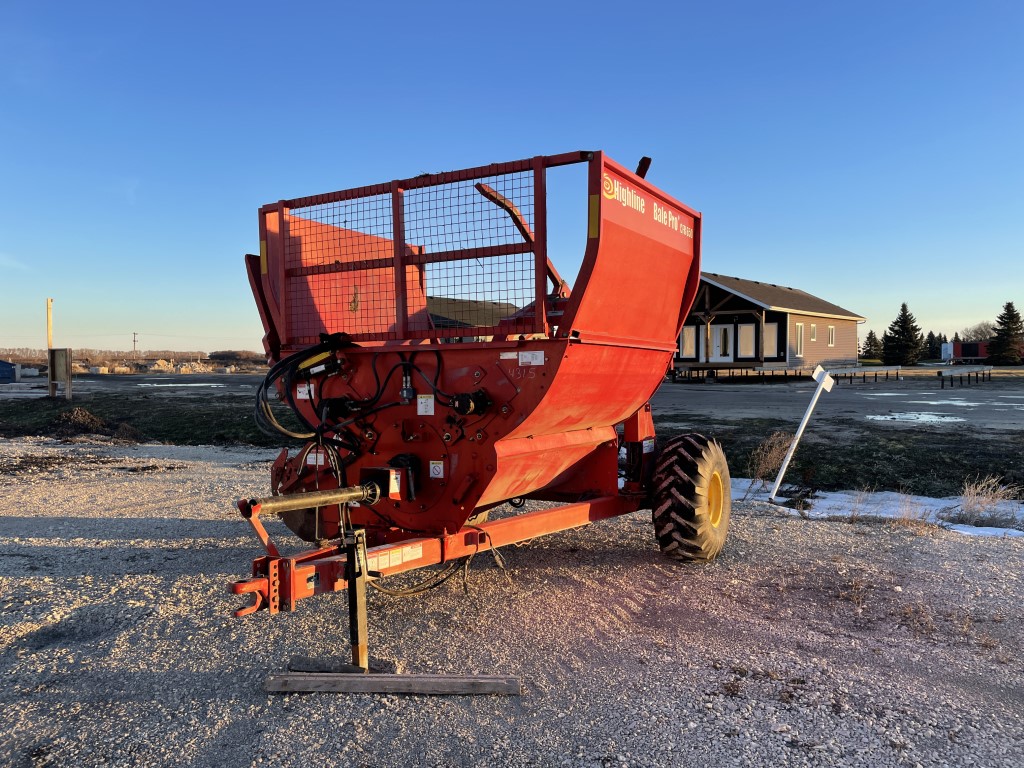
[691,498]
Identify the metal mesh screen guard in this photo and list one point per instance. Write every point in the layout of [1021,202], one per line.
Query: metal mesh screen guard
[465,258]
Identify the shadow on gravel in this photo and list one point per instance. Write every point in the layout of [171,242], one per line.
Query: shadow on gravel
[118,547]
[88,624]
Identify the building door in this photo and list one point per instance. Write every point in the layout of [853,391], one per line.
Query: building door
[721,344]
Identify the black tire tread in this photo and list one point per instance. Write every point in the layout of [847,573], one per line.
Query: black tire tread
[679,511]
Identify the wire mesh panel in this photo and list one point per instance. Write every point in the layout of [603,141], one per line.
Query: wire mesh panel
[466,244]
[339,266]
[476,238]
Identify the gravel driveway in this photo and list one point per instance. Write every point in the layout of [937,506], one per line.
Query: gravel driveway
[806,643]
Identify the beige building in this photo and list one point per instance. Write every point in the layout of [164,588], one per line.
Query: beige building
[736,323]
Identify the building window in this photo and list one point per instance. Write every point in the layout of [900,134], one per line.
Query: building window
[814,332]
[746,341]
[771,339]
[831,335]
[688,342]
[724,348]
[799,341]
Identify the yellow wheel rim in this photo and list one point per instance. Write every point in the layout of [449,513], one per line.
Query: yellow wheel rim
[716,499]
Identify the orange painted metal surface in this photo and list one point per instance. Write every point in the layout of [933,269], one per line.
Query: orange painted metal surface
[458,363]
[555,398]
[278,583]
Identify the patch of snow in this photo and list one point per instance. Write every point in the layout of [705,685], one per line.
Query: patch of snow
[917,418]
[964,403]
[882,504]
[181,385]
[971,530]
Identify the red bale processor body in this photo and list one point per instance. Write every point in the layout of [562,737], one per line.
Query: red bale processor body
[430,349]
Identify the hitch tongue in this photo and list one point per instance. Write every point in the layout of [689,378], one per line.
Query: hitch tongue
[265,582]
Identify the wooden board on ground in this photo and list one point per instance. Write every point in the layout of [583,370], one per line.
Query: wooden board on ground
[431,685]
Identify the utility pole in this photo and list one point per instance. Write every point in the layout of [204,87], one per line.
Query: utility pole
[135,341]
[58,361]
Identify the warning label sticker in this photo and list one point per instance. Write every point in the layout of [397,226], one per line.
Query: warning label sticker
[304,391]
[424,405]
[437,469]
[531,358]
[392,558]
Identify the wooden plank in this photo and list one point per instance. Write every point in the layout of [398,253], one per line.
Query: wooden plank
[854,369]
[429,685]
[960,370]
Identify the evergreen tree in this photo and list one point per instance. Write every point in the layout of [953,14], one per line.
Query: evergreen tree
[1008,341]
[956,337]
[871,349]
[903,342]
[931,345]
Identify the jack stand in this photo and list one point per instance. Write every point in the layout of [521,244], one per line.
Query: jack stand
[356,572]
[308,675]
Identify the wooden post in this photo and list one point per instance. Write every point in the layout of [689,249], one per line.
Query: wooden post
[355,563]
[51,388]
[760,337]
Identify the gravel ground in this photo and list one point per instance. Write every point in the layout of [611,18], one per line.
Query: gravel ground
[806,643]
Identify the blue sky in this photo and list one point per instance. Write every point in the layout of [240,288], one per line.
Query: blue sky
[869,153]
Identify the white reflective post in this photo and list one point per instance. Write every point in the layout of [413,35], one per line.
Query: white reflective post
[825,383]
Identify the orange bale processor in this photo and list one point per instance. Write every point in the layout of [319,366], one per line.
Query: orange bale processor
[434,365]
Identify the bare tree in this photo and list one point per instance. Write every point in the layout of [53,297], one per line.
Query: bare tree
[981,332]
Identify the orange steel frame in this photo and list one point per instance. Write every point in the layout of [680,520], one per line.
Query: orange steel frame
[607,353]
[279,582]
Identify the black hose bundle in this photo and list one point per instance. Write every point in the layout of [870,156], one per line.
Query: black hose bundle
[288,369]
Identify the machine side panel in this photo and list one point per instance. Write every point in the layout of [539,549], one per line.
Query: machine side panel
[646,263]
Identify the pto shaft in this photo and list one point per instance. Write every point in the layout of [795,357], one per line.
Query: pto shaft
[369,493]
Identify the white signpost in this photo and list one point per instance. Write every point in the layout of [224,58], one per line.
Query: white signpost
[825,383]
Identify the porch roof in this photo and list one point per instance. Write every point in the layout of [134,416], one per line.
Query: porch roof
[779,298]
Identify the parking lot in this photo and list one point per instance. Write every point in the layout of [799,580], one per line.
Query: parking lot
[912,401]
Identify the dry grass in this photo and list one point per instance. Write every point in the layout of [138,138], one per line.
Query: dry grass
[732,688]
[918,617]
[987,501]
[856,593]
[766,459]
[961,621]
[985,640]
[859,502]
[910,515]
